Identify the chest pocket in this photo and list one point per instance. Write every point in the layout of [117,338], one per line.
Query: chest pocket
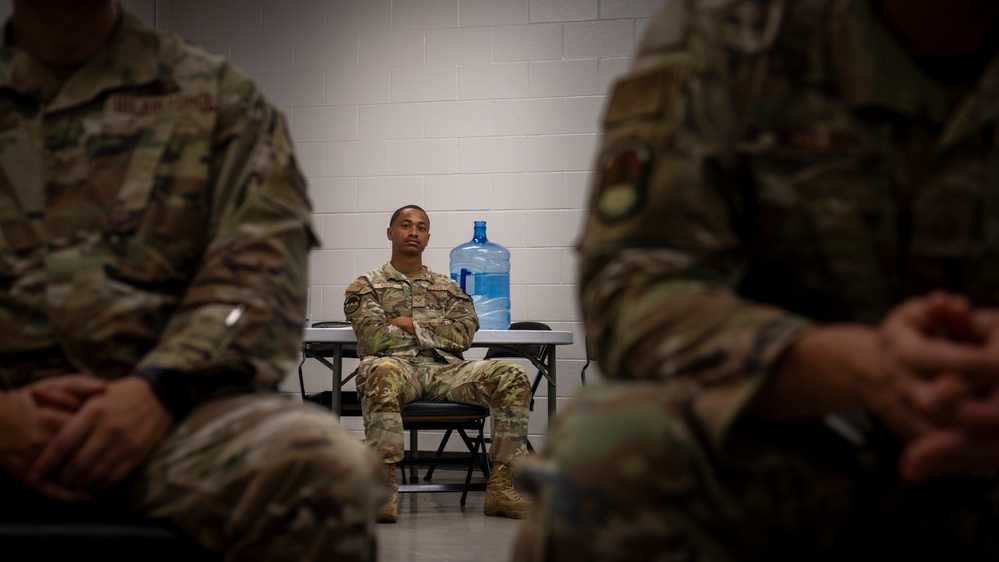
[21,201]
[431,301]
[140,177]
[158,222]
[396,298]
[948,241]
[825,205]
[947,220]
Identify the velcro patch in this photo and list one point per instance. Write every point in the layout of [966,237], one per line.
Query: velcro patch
[637,96]
[624,177]
[351,304]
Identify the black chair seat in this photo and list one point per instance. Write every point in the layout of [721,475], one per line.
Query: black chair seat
[412,412]
[441,411]
[451,417]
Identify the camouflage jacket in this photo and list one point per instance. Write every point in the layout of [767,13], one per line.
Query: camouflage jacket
[442,314]
[152,219]
[770,164]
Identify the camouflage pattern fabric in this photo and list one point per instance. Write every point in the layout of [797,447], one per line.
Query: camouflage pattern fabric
[761,171]
[765,166]
[386,384]
[398,367]
[152,216]
[260,477]
[626,475]
[442,314]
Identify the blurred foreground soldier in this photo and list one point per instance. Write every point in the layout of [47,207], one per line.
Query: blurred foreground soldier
[794,240]
[412,326]
[153,237]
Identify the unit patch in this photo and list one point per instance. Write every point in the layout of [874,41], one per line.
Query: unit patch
[624,177]
[351,304]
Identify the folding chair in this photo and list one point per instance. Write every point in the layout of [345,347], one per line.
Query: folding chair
[537,354]
[416,417]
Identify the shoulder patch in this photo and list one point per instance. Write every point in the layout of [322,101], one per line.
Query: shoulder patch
[624,177]
[351,303]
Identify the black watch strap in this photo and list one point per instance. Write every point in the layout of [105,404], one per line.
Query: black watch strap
[170,388]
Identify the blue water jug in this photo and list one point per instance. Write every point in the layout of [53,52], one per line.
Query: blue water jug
[482,268]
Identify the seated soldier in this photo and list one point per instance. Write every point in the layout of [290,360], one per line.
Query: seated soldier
[153,247]
[412,325]
[793,239]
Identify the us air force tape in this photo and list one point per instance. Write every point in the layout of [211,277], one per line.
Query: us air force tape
[624,177]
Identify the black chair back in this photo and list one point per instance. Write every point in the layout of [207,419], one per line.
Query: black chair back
[536,353]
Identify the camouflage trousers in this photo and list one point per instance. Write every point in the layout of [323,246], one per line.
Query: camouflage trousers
[626,474]
[386,384]
[261,477]
[256,477]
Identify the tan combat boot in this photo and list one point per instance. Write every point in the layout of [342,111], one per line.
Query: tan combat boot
[389,511]
[502,499]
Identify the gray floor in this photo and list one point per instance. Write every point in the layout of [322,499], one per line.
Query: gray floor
[435,527]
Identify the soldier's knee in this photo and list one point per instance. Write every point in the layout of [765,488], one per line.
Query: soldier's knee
[352,468]
[515,374]
[385,367]
[640,453]
[616,477]
[385,373]
[323,459]
[513,382]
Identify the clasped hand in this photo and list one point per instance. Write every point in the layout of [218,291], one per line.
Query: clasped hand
[941,360]
[70,436]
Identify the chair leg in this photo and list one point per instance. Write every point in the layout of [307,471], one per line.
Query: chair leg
[301,377]
[484,463]
[414,447]
[440,453]
[484,460]
[477,448]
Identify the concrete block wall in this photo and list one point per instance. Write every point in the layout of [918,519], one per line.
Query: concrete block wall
[473,109]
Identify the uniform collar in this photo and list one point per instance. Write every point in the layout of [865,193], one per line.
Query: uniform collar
[873,70]
[130,59]
[396,275]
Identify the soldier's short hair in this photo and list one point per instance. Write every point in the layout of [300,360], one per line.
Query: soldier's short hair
[398,211]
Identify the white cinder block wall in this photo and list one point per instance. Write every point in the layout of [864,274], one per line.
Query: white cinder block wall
[473,109]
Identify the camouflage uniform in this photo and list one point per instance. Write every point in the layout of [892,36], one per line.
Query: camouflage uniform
[766,165]
[153,222]
[397,367]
